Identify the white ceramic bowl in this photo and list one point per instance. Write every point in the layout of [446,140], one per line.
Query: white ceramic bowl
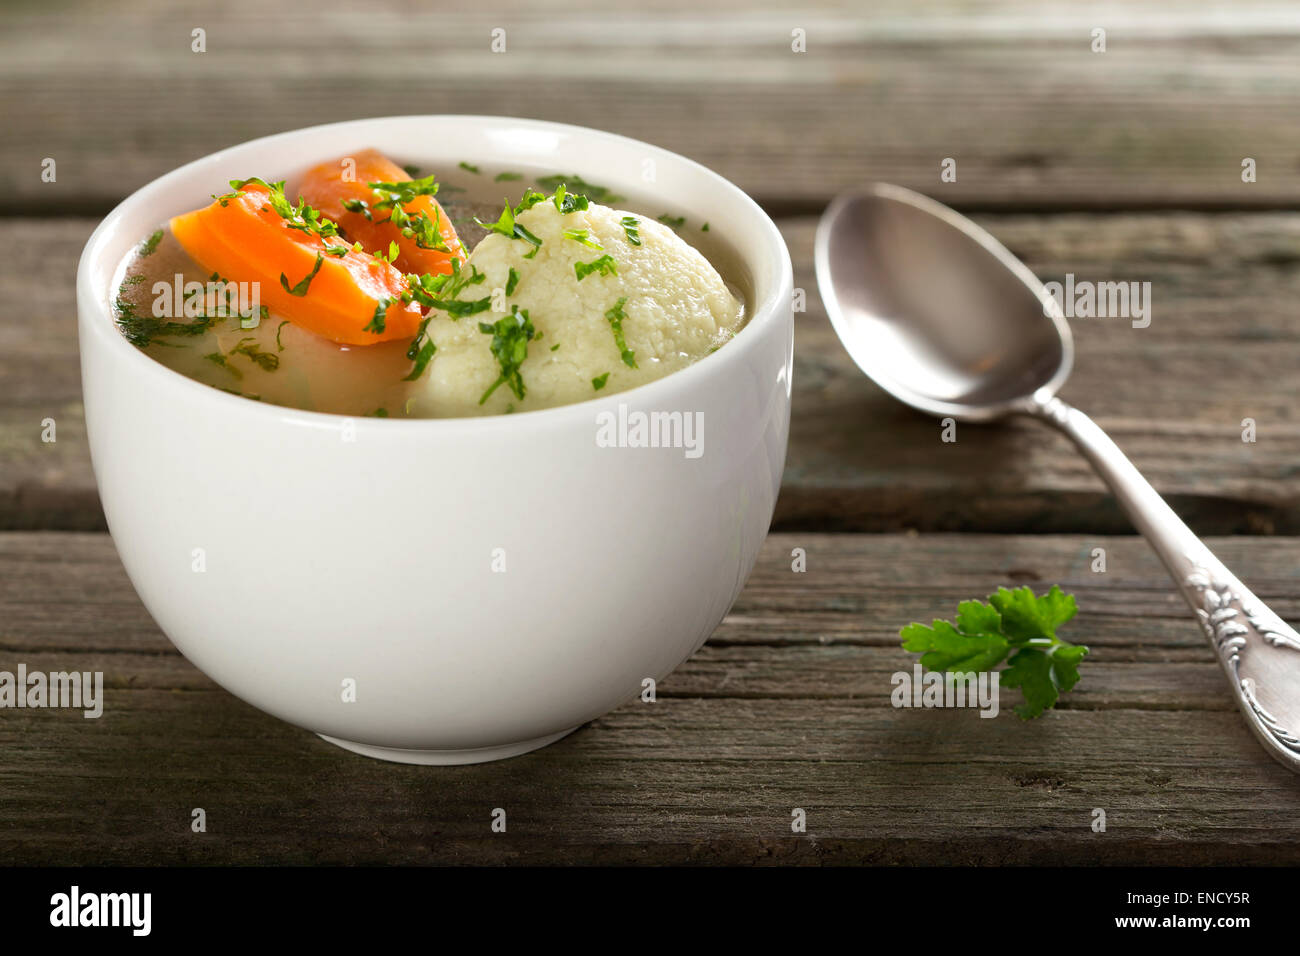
[285,560]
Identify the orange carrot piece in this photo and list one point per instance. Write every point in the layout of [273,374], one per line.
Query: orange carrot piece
[325,188]
[244,239]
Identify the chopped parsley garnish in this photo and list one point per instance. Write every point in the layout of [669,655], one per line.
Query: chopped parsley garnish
[296,215]
[377,320]
[583,236]
[599,381]
[441,291]
[508,177]
[266,361]
[425,231]
[378,413]
[301,288]
[673,222]
[630,224]
[216,358]
[420,352]
[1014,623]
[616,315]
[393,199]
[148,247]
[141,330]
[567,202]
[597,193]
[403,192]
[469,167]
[278,329]
[506,225]
[529,199]
[605,265]
[555,346]
[510,338]
[512,282]
[458,308]
[704,228]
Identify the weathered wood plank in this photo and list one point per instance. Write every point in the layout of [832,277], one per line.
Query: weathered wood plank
[786,707]
[1011,90]
[1222,346]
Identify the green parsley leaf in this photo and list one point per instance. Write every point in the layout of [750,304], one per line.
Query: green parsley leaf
[599,381]
[583,236]
[1014,623]
[567,202]
[278,329]
[421,352]
[616,315]
[507,177]
[148,247]
[266,361]
[506,225]
[529,199]
[510,338]
[673,222]
[142,330]
[512,282]
[441,291]
[597,193]
[301,288]
[469,167]
[605,265]
[403,192]
[378,319]
[629,224]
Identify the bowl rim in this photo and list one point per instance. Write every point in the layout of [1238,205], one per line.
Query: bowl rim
[106,338]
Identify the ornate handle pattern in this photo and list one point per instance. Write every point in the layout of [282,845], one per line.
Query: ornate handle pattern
[1259,652]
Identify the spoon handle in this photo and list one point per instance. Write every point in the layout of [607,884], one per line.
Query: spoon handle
[1259,652]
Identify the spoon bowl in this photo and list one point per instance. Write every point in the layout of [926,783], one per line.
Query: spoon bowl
[936,311]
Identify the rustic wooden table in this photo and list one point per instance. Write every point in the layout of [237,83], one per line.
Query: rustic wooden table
[1122,165]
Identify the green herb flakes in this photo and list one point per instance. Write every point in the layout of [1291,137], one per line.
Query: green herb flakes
[150,245]
[630,224]
[605,265]
[300,289]
[615,315]
[510,338]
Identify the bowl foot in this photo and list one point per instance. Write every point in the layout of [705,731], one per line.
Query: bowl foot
[445,758]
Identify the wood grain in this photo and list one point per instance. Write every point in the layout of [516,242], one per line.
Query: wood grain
[1222,346]
[1011,90]
[787,706]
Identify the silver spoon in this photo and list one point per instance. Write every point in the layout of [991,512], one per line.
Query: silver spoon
[941,316]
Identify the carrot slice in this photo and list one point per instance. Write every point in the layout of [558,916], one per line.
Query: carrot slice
[326,188]
[353,298]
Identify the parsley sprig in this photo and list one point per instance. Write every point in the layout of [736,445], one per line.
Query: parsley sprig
[605,265]
[510,338]
[506,225]
[1012,623]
